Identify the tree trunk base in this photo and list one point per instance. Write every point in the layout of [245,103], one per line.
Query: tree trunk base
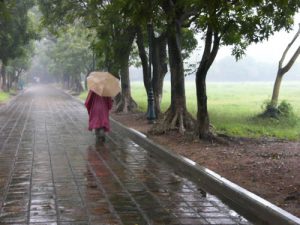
[179,120]
[271,112]
[126,105]
[214,138]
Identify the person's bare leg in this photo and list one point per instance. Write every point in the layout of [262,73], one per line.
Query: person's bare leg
[97,132]
[102,134]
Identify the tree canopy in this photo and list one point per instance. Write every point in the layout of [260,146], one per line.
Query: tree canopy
[16,31]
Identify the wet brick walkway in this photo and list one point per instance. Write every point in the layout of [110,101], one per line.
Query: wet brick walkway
[53,172]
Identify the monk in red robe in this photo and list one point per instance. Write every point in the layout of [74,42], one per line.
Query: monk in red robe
[98,109]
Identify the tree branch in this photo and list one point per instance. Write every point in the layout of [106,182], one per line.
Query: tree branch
[208,41]
[291,62]
[215,48]
[287,49]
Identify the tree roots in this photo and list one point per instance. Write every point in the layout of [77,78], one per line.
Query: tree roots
[179,120]
[126,105]
[184,123]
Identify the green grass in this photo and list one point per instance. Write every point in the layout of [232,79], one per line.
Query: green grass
[233,107]
[83,95]
[4,96]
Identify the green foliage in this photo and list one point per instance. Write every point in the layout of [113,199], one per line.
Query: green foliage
[189,42]
[57,13]
[285,109]
[22,62]
[240,24]
[106,18]
[283,112]
[68,54]
[83,95]
[16,28]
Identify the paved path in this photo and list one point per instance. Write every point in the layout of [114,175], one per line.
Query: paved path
[53,172]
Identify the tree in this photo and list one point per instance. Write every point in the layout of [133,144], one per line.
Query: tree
[144,14]
[282,70]
[71,56]
[178,14]
[160,69]
[17,66]
[151,13]
[115,35]
[16,31]
[236,24]
[159,63]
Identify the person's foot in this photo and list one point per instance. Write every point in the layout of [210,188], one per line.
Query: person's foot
[97,132]
[102,138]
[100,134]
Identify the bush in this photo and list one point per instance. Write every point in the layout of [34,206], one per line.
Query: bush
[284,111]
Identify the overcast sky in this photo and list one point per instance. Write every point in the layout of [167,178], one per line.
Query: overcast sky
[271,50]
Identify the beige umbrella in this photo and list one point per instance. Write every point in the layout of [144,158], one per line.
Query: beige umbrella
[103,84]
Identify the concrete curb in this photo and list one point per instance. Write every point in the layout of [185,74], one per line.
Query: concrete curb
[251,206]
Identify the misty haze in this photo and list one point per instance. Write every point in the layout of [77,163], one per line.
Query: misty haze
[228,69]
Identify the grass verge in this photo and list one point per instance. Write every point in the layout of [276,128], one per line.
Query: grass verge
[4,96]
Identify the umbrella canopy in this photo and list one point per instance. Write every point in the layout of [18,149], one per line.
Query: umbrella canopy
[103,84]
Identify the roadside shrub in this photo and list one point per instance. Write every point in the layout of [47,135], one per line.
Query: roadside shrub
[283,113]
[285,109]
[269,111]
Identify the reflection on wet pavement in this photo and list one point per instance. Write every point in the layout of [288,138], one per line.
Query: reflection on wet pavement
[53,172]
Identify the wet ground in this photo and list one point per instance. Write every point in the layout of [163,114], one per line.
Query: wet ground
[52,171]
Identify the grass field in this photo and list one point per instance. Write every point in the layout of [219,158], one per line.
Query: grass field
[4,96]
[233,107]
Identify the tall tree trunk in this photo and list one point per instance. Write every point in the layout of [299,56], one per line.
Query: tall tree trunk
[77,86]
[85,80]
[3,75]
[144,61]
[177,116]
[160,68]
[68,82]
[143,57]
[17,81]
[211,48]
[126,103]
[276,89]
[10,80]
[202,113]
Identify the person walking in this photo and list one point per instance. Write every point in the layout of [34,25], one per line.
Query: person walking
[98,108]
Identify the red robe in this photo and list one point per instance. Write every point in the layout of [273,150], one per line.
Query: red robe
[98,108]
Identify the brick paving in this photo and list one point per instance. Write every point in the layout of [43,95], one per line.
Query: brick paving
[52,171]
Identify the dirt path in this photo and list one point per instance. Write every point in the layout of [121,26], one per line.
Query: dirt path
[269,168]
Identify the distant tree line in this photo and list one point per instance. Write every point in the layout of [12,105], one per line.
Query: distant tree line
[17,31]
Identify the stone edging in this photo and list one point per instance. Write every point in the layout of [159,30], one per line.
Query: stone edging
[253,207]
